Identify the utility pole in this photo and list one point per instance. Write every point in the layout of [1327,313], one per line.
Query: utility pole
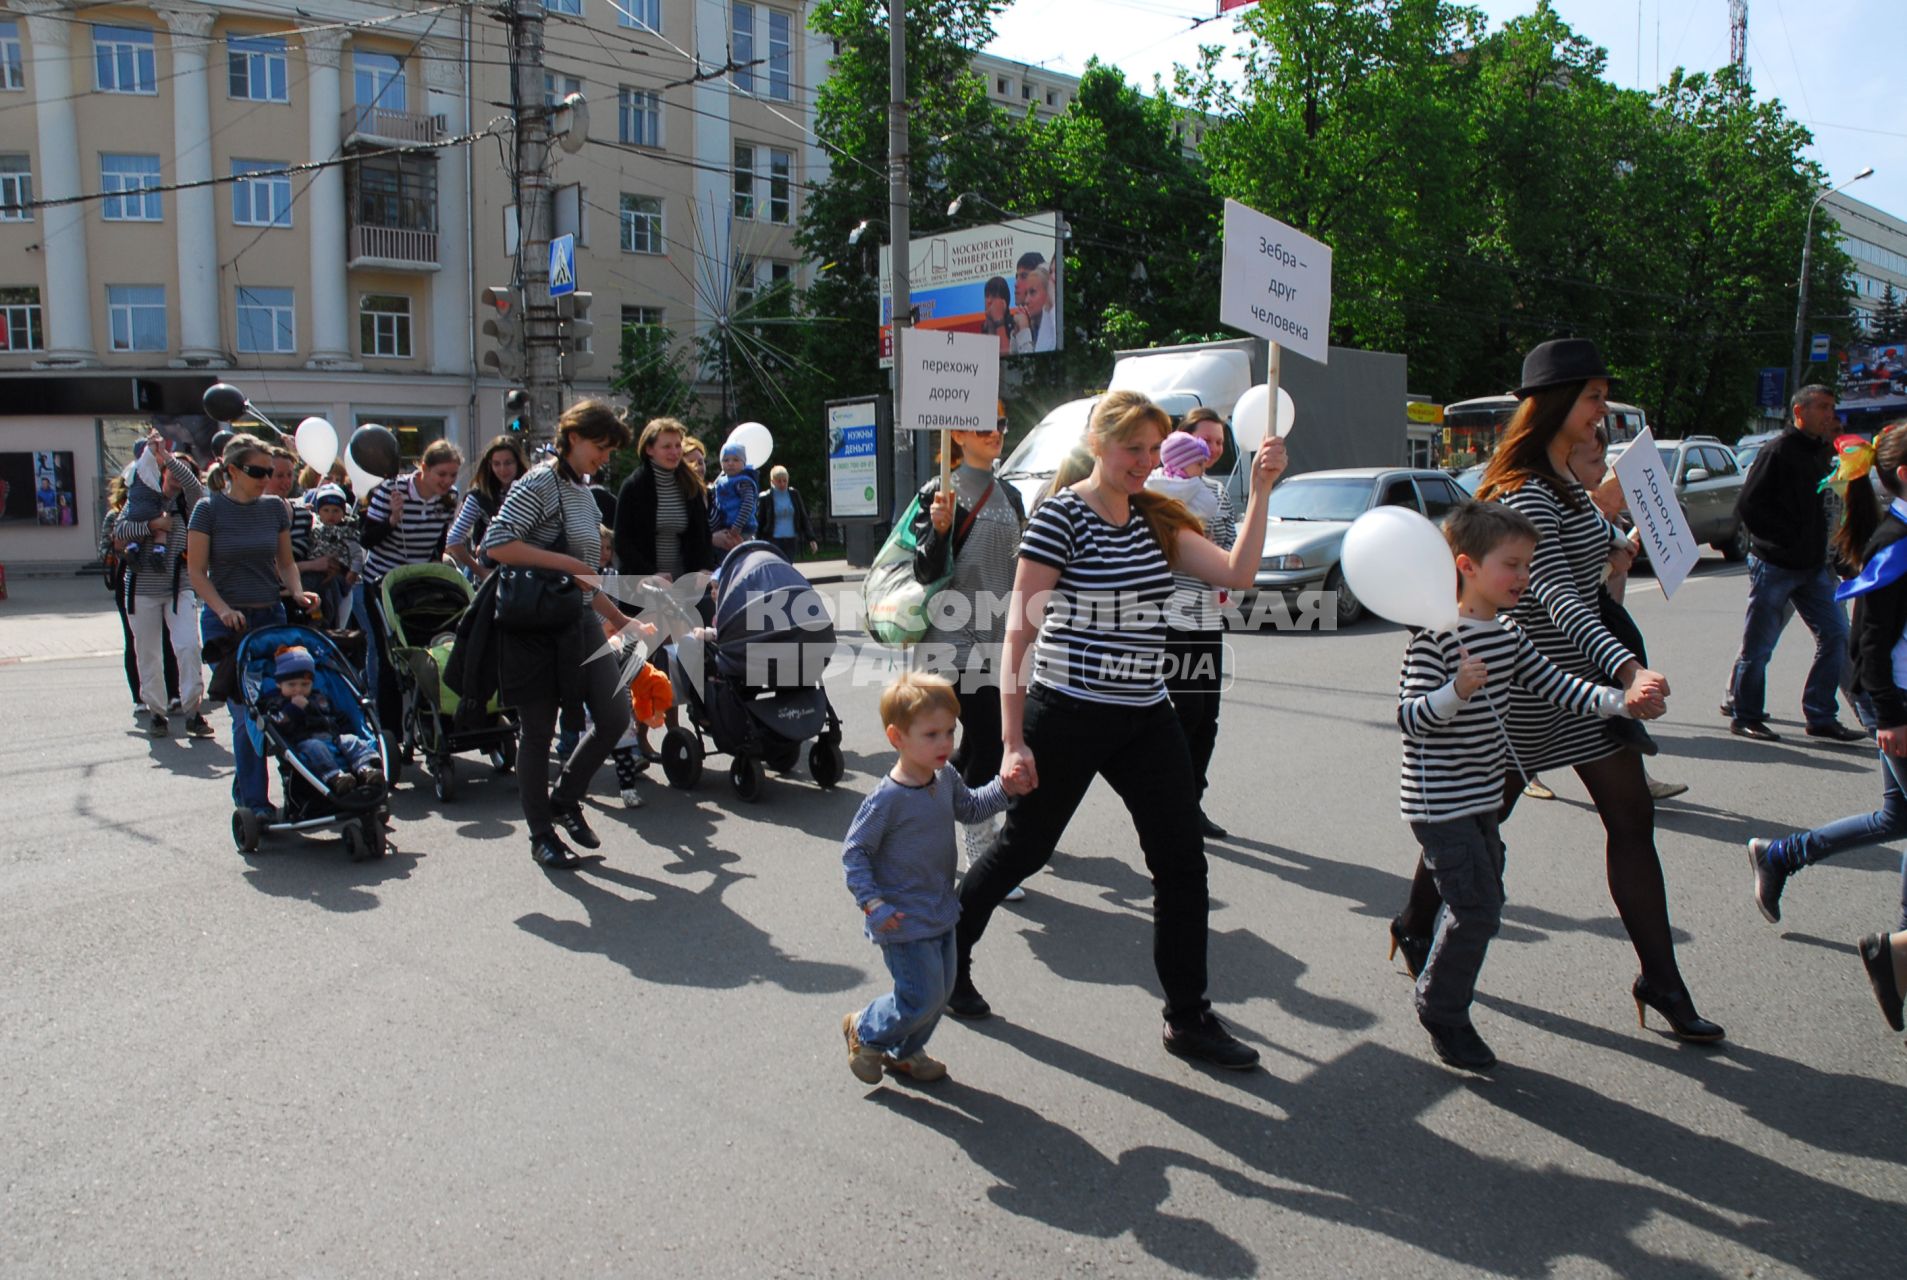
[898,234]
[541,365]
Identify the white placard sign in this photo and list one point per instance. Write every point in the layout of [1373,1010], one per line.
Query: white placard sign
[1648,486]
[949,381]
[1276,282]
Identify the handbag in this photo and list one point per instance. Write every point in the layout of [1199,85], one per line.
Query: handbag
[533,601]
[895,600]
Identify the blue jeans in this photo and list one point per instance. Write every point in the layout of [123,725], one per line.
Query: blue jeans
[250,787]
[1770,589]
[346,753]
[899,1023]
[1858,831]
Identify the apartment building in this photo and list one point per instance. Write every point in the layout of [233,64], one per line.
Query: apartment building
[350,290]
[1877,241]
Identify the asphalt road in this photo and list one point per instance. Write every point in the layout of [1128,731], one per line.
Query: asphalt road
[451,1063]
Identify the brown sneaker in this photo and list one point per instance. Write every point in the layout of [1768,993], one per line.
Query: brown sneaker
[864,1062]
[916,1066]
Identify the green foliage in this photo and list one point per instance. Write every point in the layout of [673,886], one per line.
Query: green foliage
[1889,323]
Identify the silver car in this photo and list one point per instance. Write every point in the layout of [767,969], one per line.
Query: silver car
[1309,516]
[1708,481]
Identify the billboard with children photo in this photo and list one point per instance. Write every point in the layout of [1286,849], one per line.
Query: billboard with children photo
[1002,279]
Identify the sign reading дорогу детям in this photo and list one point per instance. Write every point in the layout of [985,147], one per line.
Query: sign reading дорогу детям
[1276,282]
[1662,529]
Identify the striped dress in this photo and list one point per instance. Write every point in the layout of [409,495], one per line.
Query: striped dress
[1560,614]
[417,538]
[1455,751]
[1103,636]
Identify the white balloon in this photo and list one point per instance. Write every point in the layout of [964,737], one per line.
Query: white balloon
[1248,418]
[317,444]
[1397,563]
[757,440]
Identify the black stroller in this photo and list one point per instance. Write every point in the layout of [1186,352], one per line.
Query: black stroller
[751,684]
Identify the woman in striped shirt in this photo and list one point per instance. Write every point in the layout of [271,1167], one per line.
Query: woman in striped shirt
[500,465]
[549,521]
[1565,395]
[1100,556]
[405,522]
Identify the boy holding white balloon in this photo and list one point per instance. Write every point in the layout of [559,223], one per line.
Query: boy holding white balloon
[1455,682]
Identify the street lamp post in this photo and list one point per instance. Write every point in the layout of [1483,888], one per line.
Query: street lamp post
[1807,258]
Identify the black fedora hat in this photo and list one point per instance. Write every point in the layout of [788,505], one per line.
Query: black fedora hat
[1561,361]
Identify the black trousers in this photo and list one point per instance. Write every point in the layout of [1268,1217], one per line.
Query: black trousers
[607,698]
[1195,666]
[1140,752]
[977,758]
[132,659]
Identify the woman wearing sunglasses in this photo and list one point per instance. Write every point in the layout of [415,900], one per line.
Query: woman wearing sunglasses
[238,548]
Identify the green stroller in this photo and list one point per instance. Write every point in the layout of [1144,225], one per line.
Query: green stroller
[422,605]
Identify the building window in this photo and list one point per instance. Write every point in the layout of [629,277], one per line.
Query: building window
[12,68]
[781,173]
[261,202]
[557,87]
[128,173]
[255,68]
[641,224]
[757,32]
[999,85]
[645,15]
[20,320]
[744,180]
[377,81]
[384,325]
[642,317]
[137,314]
[123,60]
[16,188]
[573,7]
[265,321]
[1026,92]
[758,277]
[638,118]
[399,192]
[1052,98]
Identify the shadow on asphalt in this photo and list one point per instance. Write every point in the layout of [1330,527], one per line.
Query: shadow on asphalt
[679,937]
[316,867]
[1349,1143]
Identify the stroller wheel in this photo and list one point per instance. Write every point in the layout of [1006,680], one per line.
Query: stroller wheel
[782,755]
[746,775]
[825,763]
[358,843]
[445,784]
[247,827]
[503,757]
[681,758]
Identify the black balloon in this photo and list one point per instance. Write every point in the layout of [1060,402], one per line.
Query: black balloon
[224,402]
[219,440]
[374,449]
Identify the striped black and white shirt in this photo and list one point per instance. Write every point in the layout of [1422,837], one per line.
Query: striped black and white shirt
[418,535]
[1102,638]
[1194,604]
[548,510]
[302,520]
[672,517]
[1457,752]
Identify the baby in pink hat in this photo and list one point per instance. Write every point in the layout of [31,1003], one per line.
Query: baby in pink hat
[1182,462]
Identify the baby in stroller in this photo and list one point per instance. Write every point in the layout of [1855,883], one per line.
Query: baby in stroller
[310,726]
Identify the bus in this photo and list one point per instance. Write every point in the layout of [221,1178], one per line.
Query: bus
[1471,428]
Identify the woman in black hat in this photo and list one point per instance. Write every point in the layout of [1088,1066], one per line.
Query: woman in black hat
[1565,396]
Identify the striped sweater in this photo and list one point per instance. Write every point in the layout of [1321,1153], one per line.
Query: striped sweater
[418,535]
[1456,752]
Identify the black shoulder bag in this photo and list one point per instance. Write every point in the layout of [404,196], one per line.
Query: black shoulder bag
[533,601]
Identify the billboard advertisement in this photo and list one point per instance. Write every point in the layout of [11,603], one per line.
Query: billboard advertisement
[1874,379]
[1000,279]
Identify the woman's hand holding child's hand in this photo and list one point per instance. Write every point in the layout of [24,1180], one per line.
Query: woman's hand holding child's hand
[885,918]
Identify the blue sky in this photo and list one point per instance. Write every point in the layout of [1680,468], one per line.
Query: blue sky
[1843,78]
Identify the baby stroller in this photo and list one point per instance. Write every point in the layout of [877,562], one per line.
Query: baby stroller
[760,694]
[422,604]
[309,804]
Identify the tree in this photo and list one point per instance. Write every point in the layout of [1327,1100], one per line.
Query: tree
[652,370]
[1889,322]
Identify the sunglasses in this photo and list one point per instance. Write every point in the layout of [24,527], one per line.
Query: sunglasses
[254,471]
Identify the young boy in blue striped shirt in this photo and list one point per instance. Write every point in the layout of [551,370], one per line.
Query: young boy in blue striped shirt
[1457,754]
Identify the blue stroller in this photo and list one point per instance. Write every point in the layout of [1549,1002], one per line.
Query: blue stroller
[760,694]
[308,803]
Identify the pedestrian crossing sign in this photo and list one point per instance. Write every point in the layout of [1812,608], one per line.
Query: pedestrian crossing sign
[562,266]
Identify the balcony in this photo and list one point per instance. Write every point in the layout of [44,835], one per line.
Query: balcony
[393,248]
[379,126]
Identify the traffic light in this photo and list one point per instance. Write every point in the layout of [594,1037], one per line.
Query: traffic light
[504,324]
[573,330]
[516,411]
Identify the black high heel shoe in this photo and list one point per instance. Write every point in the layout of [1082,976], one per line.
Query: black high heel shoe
[1416,950]
[1677,1008]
